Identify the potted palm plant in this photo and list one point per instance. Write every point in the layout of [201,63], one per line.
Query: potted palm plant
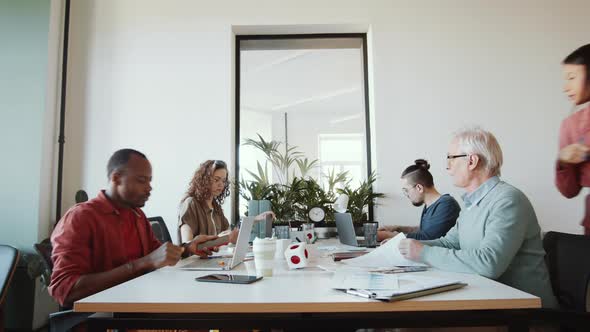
[285,193]
[359,200]
[295,193]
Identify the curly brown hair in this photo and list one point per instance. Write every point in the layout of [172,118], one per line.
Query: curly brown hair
[200,185]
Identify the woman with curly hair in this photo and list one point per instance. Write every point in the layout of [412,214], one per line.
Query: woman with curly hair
[200,210]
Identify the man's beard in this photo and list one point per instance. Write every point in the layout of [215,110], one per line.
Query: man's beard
[418,203]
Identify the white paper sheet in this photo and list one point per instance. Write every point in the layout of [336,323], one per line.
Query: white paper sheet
[412,283]
[386,256]
[340,268]
[370,281]
[388,287]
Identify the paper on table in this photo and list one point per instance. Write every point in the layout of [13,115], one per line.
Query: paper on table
[414,283]
[391,288]
[339,268]
[328,248]
[341,247]
[387,255]
[371,281]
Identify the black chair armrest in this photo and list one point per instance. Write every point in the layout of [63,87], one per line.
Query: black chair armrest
[62,321]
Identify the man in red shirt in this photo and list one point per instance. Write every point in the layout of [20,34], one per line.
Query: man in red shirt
[108,240]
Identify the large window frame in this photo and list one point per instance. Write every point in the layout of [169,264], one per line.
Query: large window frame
[237,48]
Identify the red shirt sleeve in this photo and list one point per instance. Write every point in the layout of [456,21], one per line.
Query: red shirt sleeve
[567,176]
[71,254]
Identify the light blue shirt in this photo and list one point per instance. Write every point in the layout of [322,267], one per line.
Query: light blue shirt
[475,197]
[497,236]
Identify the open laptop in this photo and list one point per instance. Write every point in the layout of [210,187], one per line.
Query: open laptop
[346,232]
[224,263]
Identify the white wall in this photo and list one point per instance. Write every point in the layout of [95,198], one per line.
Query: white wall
[158,76]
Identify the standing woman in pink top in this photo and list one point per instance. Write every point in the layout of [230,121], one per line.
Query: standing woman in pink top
[573,166]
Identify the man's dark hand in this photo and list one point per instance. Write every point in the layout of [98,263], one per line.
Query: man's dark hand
[166,255]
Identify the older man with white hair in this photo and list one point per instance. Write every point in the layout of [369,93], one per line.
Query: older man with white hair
[497,235]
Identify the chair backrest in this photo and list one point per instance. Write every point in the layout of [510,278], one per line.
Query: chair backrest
[44,249]
[569,268]
[160,229]
[8,259]
[81,196]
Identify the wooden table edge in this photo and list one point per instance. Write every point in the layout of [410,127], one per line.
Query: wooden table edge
[327,307]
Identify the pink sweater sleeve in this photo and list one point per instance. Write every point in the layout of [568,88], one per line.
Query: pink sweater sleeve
[567,176]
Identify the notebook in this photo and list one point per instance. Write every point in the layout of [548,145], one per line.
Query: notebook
[338,256]
[388,287]
[223,263]
[399,296]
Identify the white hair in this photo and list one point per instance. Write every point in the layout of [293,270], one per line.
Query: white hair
[474,140]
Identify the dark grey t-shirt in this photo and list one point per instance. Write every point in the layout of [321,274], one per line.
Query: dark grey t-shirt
[437,219]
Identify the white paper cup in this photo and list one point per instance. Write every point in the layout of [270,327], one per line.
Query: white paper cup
[264,251]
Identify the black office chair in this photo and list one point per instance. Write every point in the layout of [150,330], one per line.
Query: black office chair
[8,259]
[81,196]
[159,228]
[44,249]
[65,319]
[569,270]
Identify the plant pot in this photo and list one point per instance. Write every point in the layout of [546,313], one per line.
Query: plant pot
[292,223]
[325,232]
[260,229]
[281,231]
[358,230]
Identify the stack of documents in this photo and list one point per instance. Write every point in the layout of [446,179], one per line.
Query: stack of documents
[388,285]
[391,287]
[386,256]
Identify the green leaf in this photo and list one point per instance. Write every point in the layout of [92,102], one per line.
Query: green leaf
[305,165]
[360,198]
[334,179]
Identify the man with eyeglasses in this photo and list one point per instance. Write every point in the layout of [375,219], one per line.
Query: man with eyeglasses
[440,211]
[497,234]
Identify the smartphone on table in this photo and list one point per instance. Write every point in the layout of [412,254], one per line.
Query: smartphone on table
[229,278]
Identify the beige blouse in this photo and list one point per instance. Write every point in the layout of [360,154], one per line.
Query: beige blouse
[201,219]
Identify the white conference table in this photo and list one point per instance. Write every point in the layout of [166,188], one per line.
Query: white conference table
[291,297]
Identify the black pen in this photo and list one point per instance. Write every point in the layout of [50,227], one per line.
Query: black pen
[361,292]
